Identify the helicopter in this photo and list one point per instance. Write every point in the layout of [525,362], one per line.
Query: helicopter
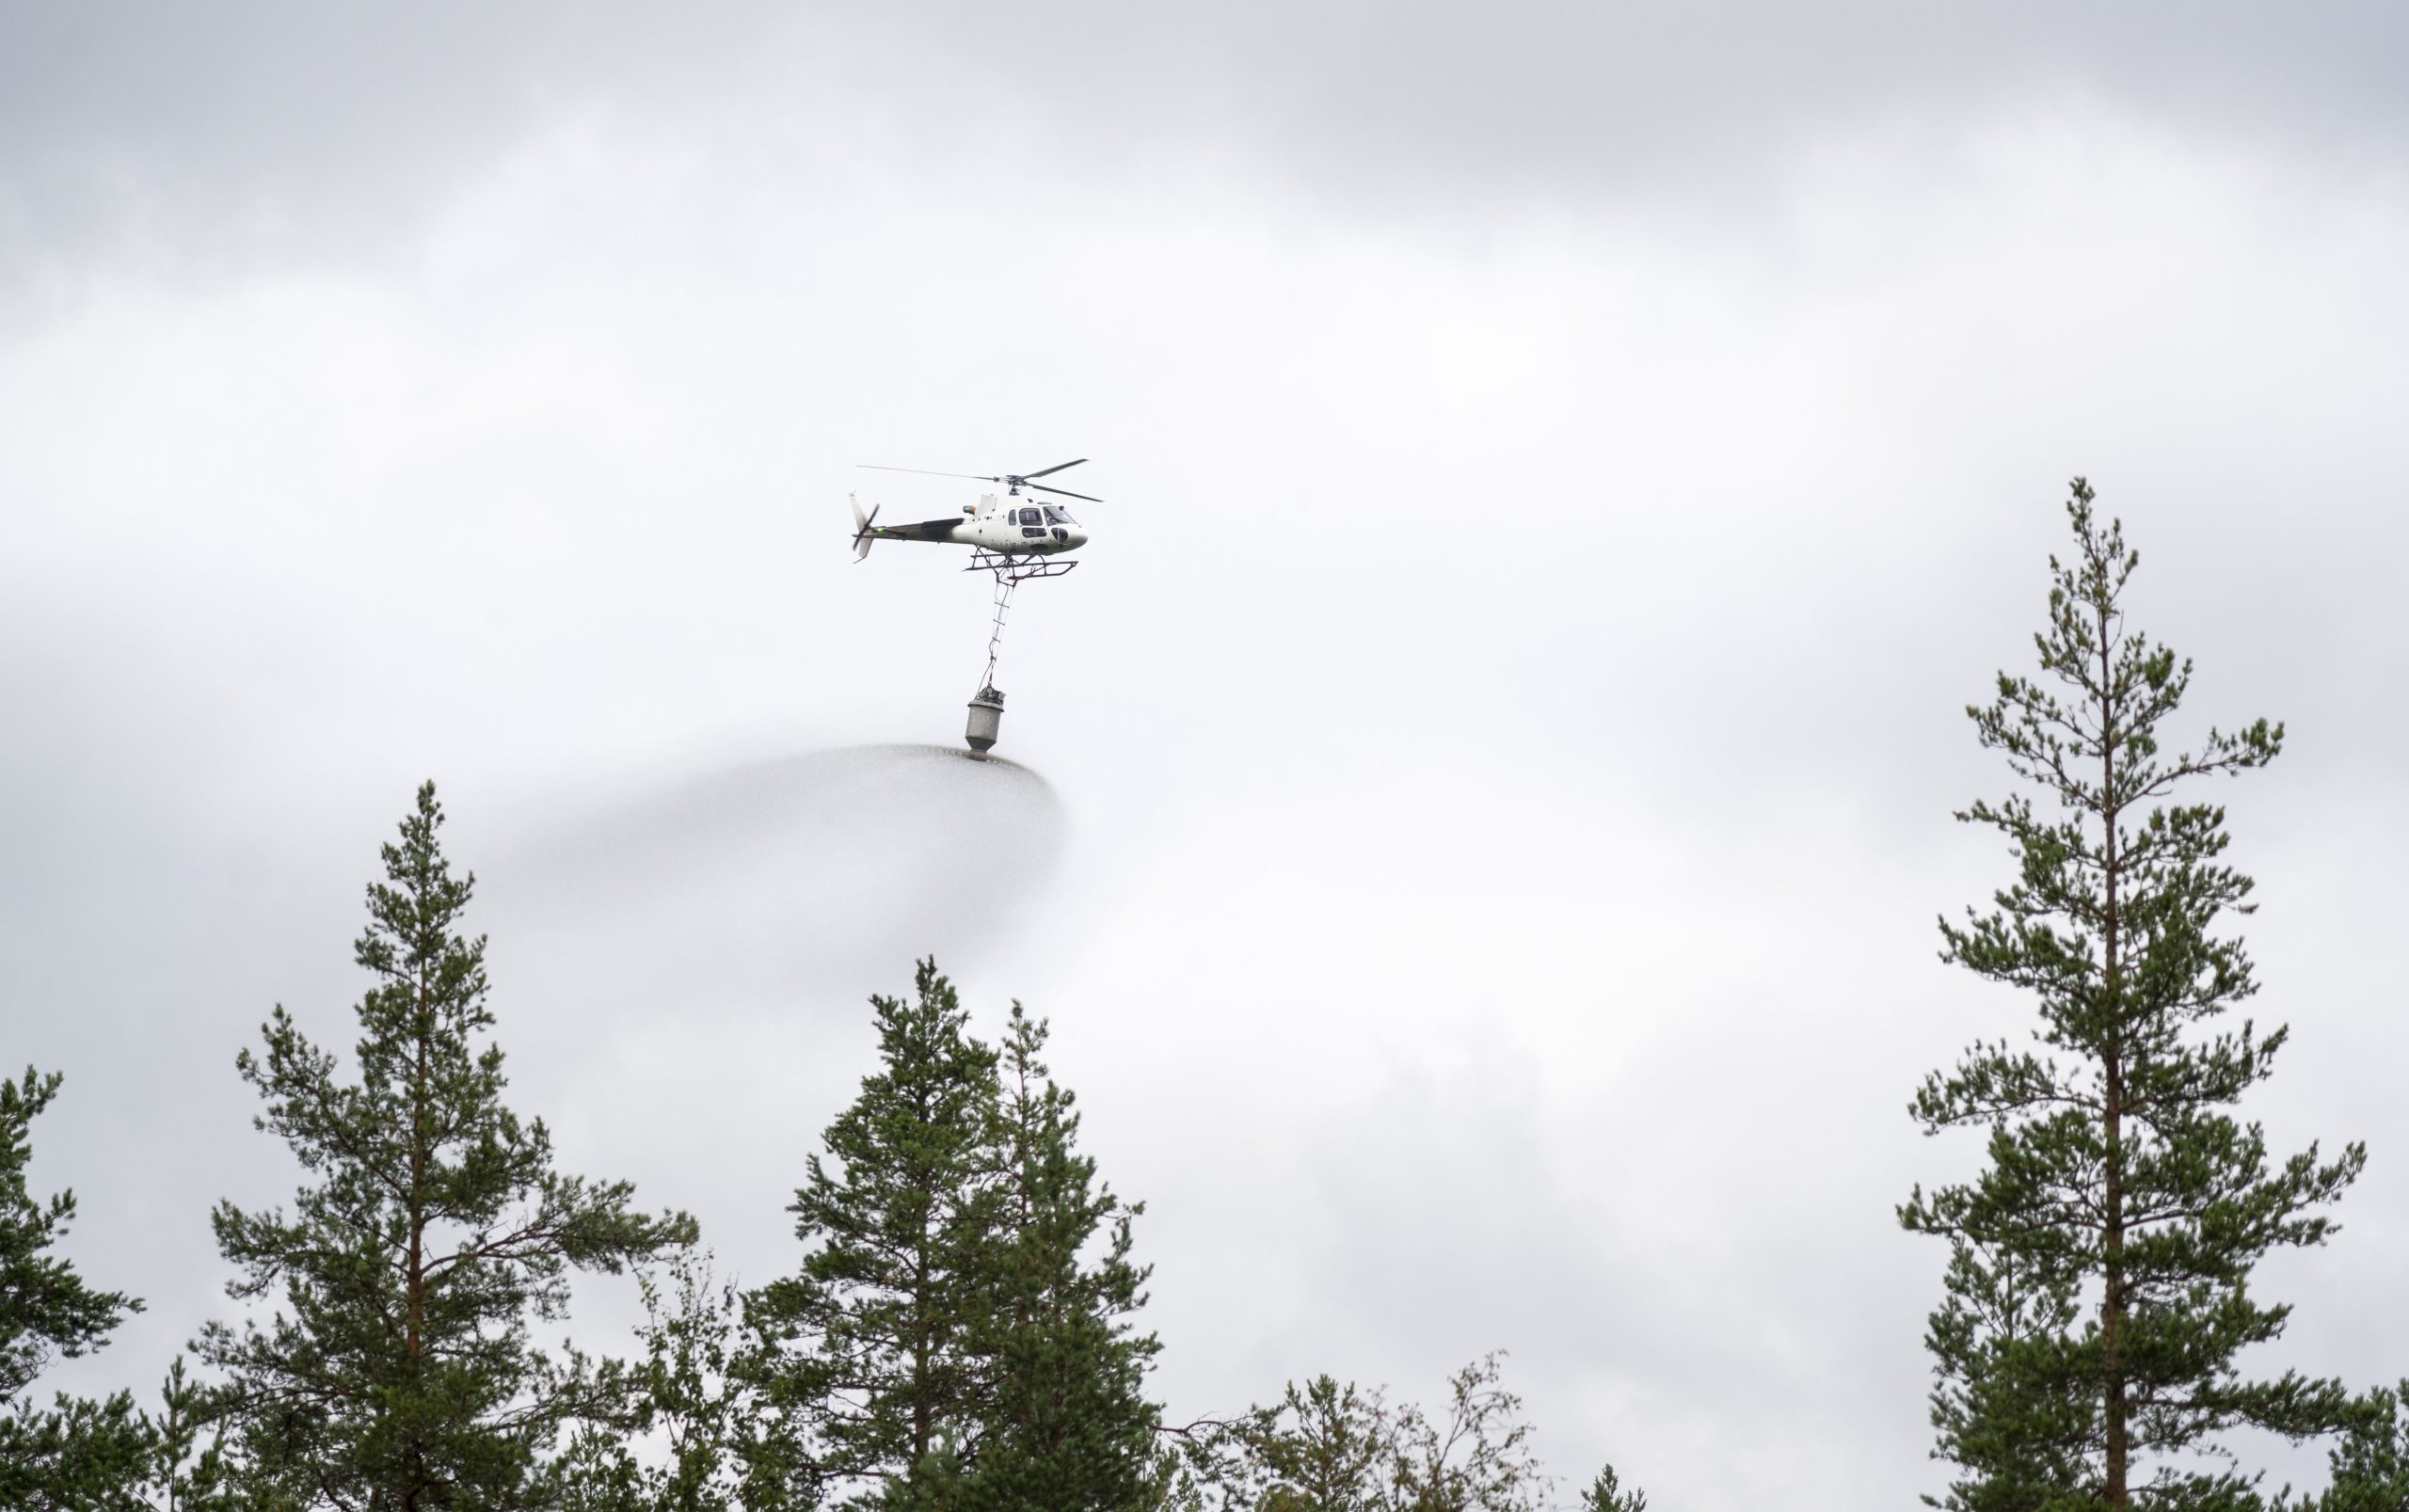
[1013,538]
[997,529]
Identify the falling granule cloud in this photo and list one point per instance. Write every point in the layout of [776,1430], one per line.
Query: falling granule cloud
[778,879]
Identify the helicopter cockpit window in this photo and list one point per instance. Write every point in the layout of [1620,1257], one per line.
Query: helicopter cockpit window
[1057,514]
[1029,516]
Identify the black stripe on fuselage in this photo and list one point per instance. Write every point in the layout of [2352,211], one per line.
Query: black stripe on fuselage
[927,529]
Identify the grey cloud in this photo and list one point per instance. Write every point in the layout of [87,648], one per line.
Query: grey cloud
[212,135]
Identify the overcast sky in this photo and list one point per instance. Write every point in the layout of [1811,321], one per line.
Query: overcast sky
[1485,796]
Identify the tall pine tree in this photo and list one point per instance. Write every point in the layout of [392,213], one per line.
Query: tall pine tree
[960,1335]
[2099,1284]
[868,1354]
[1067,1425]
[432,1233]
[76,1451]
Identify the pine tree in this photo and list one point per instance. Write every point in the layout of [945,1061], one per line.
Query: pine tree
[1067,1426]
[1605,1494]
[188,1474]
[432,1233]
[1324,1448]
[2098,1280]
[75,1452]
[2370,1462]
[870,1353]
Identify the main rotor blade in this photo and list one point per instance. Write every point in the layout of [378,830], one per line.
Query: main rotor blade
[975,477]
[1056,467]
[1047,488]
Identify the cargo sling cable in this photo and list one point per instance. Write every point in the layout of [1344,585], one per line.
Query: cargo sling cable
[1011,570]
[987,705]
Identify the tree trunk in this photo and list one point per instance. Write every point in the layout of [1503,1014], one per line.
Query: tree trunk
[2111,1303]
[415,1308]
[920,1422]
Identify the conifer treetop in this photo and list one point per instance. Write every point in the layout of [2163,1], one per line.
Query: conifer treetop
[2098,1298]
[77,1451]
[46,1309]
[433,1230]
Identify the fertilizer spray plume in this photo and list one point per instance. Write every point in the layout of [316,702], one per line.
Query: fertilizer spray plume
[780,882]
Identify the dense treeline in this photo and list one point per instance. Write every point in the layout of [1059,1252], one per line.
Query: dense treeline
[961,1332]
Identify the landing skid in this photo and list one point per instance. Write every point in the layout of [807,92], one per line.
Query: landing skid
[1018,566]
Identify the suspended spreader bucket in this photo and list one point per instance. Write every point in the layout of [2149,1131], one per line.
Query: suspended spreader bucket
[986,719]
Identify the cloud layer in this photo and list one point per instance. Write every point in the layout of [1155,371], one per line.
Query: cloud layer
[1566,471]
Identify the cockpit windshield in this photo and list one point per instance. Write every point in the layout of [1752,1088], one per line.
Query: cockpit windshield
[1057,514]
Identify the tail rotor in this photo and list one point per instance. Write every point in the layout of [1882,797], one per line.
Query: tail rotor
[862,523]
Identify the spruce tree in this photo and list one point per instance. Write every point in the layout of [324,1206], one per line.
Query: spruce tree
[868,1354]
[1067,1426]
[432,1233]
[76,1451]
[2098,1283]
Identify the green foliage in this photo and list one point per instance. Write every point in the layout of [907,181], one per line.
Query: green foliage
[2099,1277]
[695,1438]
[74,1453]
[868,1354]
[1066,1426]
[1605,1494]
[1326,1447]
[685,1394]
[77,1454]
[1323,1448]
[2370,1462]
[432,1231]
[959,1334]
[45,1308]
[187,1474]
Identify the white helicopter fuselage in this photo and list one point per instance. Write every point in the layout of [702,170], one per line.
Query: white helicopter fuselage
[1012,523]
